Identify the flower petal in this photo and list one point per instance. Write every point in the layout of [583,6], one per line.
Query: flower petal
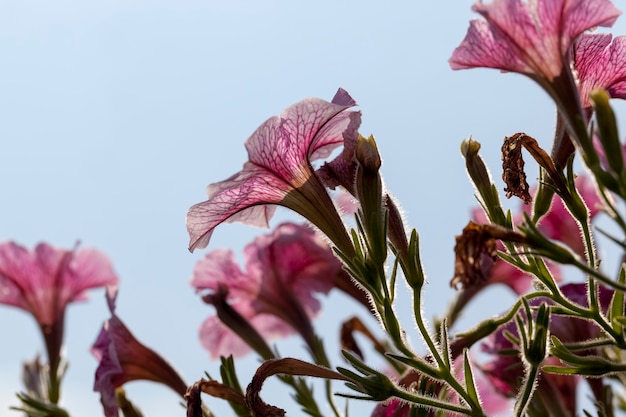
[280,153]
[600,61]
[530,37]
[45,280]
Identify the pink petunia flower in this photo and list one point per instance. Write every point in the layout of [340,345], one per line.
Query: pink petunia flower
[275,292]
[45,280]
[279,172]
[536,38]
[532,37]
[600,62]
[123,359]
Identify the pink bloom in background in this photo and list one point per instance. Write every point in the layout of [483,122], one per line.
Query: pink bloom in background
[559,224]
[275,292]
[44,281]
[123,359]
[279,172]
[532,37]
[600,61]
[505,371]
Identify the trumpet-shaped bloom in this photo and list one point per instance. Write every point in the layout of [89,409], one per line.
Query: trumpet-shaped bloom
[600,61]
[275,292]
[532,37]
[279,172]
[45,280]
[123,359]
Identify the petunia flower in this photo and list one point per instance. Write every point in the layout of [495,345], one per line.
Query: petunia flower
[45,280]
[123,359]
[275,293]
[279,172]
[532,37]
[600,62]
[536,38]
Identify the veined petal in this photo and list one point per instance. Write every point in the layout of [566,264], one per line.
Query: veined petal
[532,37]
[243,197]
[600,61]
[280,153]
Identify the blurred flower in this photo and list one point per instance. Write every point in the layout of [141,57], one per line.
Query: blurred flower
[531,38]
[123,359]
[558,223]
[506,370]
[492,402]
[599,61]
[45,280]
[275,292]
[279,172]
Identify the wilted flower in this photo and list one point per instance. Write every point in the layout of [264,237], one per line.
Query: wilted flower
[275,292]
[45,280]
[557,224]
[123,359]
[279,172]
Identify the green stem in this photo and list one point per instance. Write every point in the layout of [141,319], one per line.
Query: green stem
[432,402]
[529,386]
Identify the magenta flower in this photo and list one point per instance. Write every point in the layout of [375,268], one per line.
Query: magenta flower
[275,292]
[279,172]
[600,61]
[44,281]
[532,37]
[123,359]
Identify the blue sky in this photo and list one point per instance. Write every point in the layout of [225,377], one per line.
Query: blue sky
[114,116]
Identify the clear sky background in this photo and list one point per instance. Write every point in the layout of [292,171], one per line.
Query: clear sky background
[115,115]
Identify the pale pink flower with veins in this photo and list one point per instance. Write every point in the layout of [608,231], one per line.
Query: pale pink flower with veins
[536,38]
[279,172]
[275,292]
[600,62]
[532,37]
